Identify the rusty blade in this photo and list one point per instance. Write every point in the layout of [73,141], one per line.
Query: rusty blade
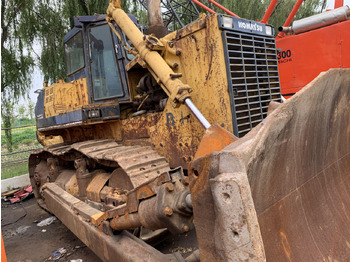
[298,164]
[215,139]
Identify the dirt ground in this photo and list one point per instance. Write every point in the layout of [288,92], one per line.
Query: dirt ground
[26,242]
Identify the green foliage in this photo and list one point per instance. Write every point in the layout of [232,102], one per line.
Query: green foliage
[15,71]
[20,136]
[137,10]
[252,9]
[284,7]
[7,117]
[16,63]
[47,29]
[311,7]
[21,111]
[24,139]
[24,135]
[31,109]
[27,141]
[83,7]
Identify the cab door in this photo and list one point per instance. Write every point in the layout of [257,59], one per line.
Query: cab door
[108,81]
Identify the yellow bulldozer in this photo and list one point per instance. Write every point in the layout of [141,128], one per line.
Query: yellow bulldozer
[135,167]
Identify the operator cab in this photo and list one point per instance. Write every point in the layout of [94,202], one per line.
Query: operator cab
[98,83]
[92,51]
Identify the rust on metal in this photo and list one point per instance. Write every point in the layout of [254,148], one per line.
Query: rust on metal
[72,185]
[144,192]
[138,166]
[120,179]
[304,175]
[169,187]
[215,139]
[203,206]
[82,175]
[142,164]
[97,183]
[177,134]
[188,30]
[138,127]
[168,211]
[109,247]
[272,106]
[297,162]
[67,180]
[163,210]
[106,190]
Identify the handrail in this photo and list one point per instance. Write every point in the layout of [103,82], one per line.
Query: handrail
[268,11]
[223,8]
[203,6]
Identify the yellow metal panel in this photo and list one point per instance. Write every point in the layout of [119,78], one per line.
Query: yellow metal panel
[197,53]
[177,134]
[63,97]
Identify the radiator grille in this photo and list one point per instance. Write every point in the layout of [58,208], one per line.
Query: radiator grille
[253,78]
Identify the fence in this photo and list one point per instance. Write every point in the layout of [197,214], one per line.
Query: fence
[24,140]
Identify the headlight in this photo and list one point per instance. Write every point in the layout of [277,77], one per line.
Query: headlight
[228,23]
[94,113]
[269,30]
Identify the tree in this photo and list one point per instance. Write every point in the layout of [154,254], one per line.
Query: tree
[31,109]
[83,7]
[22,114]
[7,118]
[16,63]
[51,21]
[25,24]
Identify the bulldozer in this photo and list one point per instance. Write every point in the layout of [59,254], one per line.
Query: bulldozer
[135,167]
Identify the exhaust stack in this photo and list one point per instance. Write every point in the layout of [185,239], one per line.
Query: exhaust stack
[155,19]
[318,21]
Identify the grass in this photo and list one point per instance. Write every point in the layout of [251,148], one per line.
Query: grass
[12,171]
[19,135]
[24,139]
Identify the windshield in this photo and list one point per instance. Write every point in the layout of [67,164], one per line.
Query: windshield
[105,72]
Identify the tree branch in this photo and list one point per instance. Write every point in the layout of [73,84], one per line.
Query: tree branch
[82,3]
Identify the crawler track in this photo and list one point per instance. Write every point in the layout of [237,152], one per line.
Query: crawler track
[141,164]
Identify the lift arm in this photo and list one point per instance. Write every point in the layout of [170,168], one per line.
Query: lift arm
[177,91]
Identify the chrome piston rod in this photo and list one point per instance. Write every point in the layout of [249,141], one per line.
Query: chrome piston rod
[204,122]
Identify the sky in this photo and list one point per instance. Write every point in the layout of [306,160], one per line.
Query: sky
[38,79]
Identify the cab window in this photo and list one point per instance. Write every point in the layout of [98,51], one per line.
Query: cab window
[105,74]
[74,53]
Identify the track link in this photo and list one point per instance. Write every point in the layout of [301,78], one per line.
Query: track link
[141,163]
